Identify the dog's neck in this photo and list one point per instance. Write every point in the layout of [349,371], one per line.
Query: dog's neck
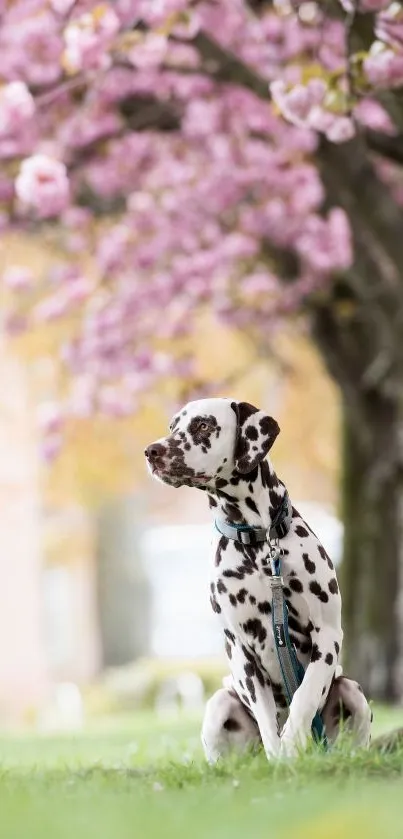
[251,499]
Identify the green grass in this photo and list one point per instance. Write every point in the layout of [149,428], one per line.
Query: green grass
[142,777]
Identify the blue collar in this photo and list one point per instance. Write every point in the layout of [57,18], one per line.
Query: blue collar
[249,535]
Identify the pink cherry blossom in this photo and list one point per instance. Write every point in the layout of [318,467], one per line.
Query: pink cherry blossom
[259,283]
[156,12]
[371,113]
[50,447]
[384,68]
[62,7]
[15,324]
[115,402]
[50,417]
[43,185]
[189,215]
[16,107]
[88,38]
[341,130]
[18,278]
[149,52]
[31,45]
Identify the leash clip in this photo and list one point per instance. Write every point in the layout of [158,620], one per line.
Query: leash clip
[275,554]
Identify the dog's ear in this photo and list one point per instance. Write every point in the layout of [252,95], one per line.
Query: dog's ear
[255,435]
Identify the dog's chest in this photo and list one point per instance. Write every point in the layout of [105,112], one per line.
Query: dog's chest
[241,596]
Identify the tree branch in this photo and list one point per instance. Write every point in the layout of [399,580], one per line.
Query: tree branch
[224,66]
[385,145]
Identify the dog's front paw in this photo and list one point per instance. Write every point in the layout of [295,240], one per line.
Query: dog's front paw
[288,748]
[291,743]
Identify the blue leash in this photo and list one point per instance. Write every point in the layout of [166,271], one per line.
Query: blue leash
[292,670]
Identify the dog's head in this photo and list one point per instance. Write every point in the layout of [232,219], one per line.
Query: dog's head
[210,439]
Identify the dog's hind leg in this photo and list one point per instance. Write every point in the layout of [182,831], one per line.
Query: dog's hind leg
[227,726]
[347,709]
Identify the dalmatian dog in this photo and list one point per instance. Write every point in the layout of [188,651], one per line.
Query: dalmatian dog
[220,446]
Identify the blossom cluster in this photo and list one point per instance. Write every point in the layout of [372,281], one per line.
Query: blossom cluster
[179,184]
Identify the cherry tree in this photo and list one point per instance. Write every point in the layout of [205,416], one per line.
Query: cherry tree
[240,156]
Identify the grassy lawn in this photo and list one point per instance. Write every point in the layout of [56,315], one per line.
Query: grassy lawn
[142,777]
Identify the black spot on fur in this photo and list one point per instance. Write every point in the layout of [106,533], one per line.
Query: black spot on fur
[241,595]
[248,654]
[215,606]
[333,587]
[221,587]
[294,624]
[232,600]
[296,585]
[316,654]
[232,511]
[212,501]
[252,600]
[291,609]
[230,635]
[325,556]
[264,608]
[231,725]
[329,658]
[309,565]
[238,573]
[251,504]
[278,695]
[254,627]
[222,546]
[228,649]
[301,531]
[316,589]
[337,647]
[251,688]
[251,432]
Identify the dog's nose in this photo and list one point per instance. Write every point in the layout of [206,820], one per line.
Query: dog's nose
[154,451]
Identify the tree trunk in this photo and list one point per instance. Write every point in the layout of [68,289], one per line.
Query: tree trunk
[372,493]
[372,500]
[359,331]
[123,589]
